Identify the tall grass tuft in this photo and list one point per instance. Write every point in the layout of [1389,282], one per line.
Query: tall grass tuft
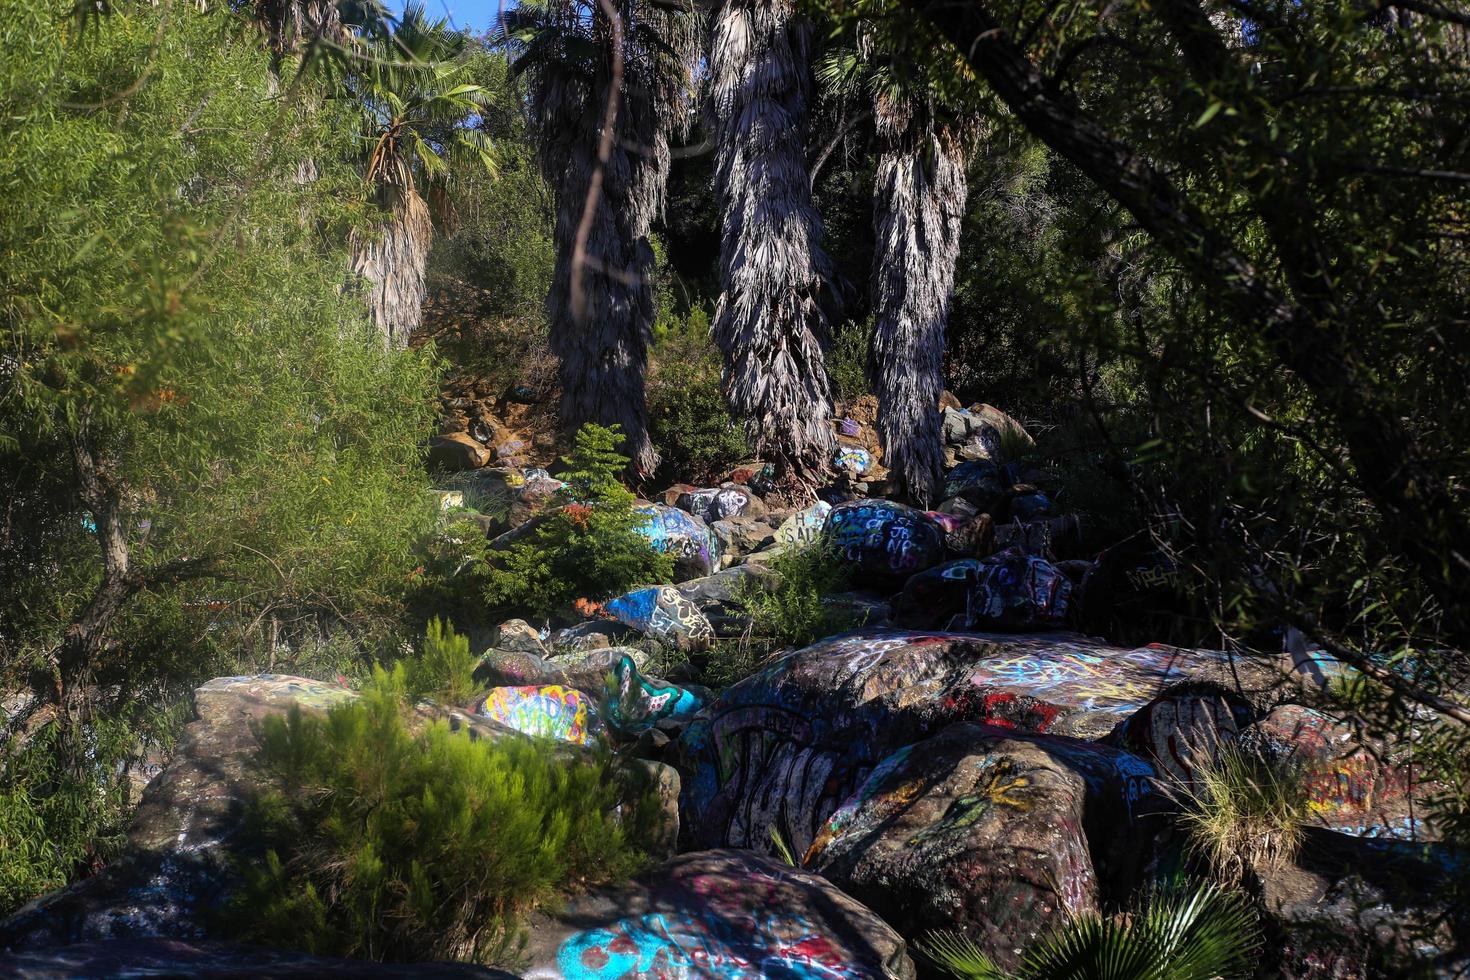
[1244,808]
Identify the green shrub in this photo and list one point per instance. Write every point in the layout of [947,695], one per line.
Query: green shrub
[847,362]
[1244,808]
[1205,933]
[688,420]
[786,609]
[590,547]
[393,845]
[444,669]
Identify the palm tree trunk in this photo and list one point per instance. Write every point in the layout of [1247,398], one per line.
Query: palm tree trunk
[391,258]
[769,322]
[918,205]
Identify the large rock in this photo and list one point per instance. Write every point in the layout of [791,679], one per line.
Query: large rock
[206,960]
[740,536]
[536,495]
[718,596]
[1016,591]
[718,914]
[456,451]
[665,615]
[980,431]
[544,711]
[518,636]
[719,503]
[987,831]
[786,746]
[634,702]
[1352,907]
[695,549]
[804,526]
[980,483]
[884,538]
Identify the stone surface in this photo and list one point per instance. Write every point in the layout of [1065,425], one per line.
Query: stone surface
[588,672]
[804,525]
[881,537]
[695,549]
[965,535]
[986,831]
[718,596]
[534,496]
[977,482]
[544,711]
[507,668]
[1053,538]
[785,747]
[935,596]
[1352,907]
[979,431]
[665,615]
[635,702]
[739,536]
[720,503]
[718,914]
[1016,591]
[153,957]
[456,451]
[519,636]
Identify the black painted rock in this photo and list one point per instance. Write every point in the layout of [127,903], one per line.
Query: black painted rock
[665,615]
[719,503]
[1016,591]
[718,914]
[884,538]
[986,831]
[932,598]
[208,960]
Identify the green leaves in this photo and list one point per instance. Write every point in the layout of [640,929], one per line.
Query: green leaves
[1175,933]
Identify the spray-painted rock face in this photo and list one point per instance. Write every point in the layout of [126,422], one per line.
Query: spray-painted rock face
[884,538]
[1016,591]
[720,914]
[664,614]
[784,748]
[982,829]
[804,525]
[634,703]
[852,459]
[718,503]
[552,711]
[695,549]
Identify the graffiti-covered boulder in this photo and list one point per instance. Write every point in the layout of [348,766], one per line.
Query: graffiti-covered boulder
[714,915]
[803,526]
[665,615]
[519,636]
[884,538]
[1031,507]
[545,711]
[784,747]
[1356,784]
[537,493]
[983,830]
[981,431]
[1184,724]
[718,596]
[965,535]
[634,702]
[1015,591]
[588,671]
[855,461]
[718,503]
[675,532]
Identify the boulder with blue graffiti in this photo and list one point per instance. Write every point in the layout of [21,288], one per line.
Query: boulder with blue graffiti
[694,546]
[992,832]
[718,915]
[664,615]
[549,711]
[785,747]
[803,526]
[884,538]
[634,702]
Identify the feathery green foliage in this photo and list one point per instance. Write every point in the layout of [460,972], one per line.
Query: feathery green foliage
[444,669]
[1174,933]
[589,546]
[688,420]
[391,844]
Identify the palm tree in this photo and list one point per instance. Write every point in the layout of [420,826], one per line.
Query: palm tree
[413,110]
[769,321]
[586,61]
[919,192]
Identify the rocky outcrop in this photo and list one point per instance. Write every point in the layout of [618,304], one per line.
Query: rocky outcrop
[718,914]
[721,503]
[987,831]
[787,746]
[665,616]
[457,451]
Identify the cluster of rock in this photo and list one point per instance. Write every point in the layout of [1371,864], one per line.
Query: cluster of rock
[962,761]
